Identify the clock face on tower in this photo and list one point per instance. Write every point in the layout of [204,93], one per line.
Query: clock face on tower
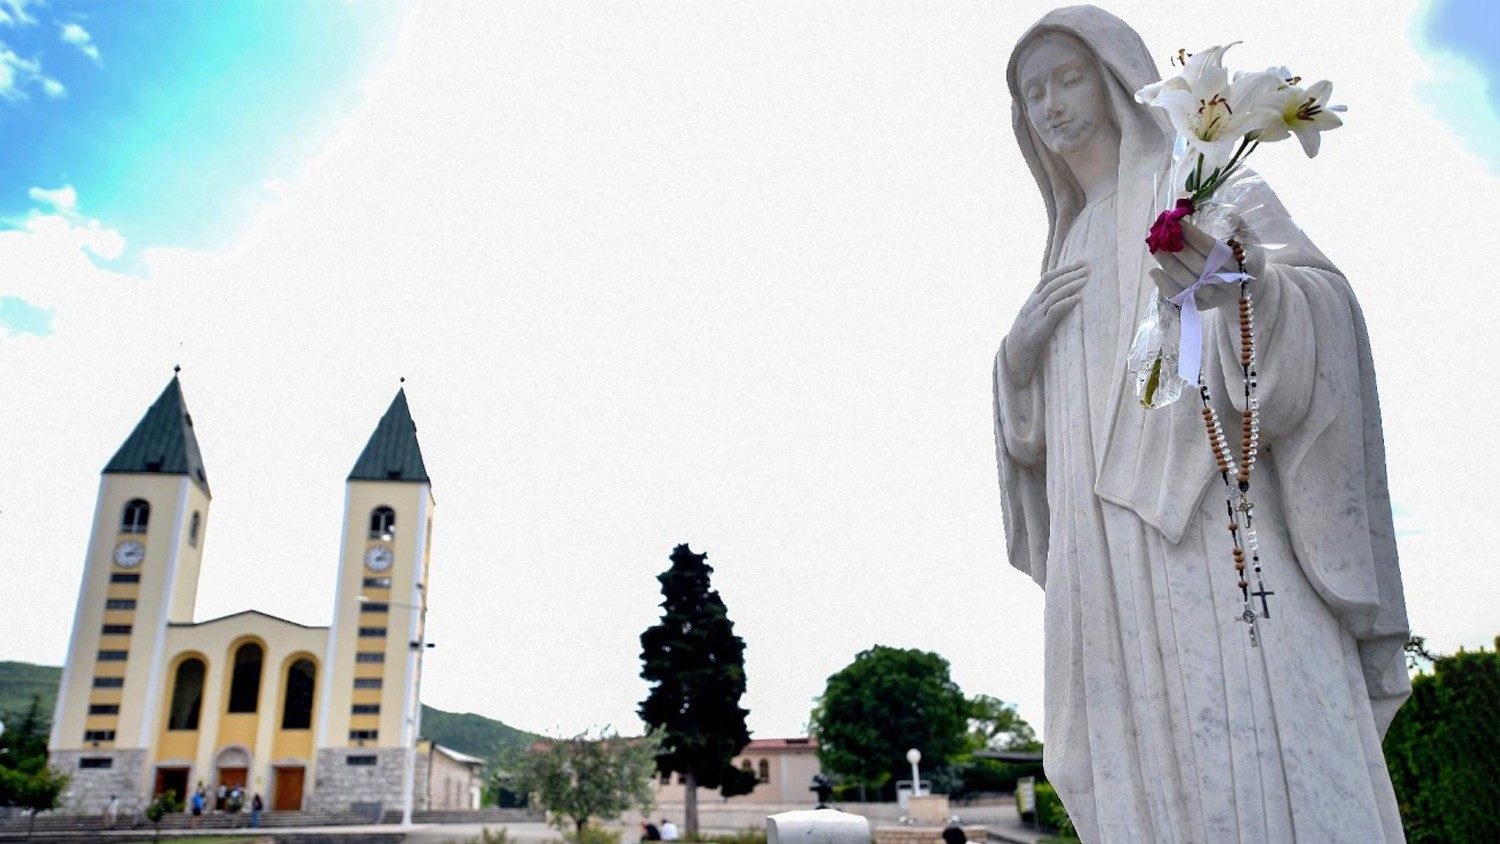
[128,554]
[379,557]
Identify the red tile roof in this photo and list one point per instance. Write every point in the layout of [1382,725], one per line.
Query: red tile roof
[798,743]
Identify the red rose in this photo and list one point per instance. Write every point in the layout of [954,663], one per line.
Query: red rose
[1166,232]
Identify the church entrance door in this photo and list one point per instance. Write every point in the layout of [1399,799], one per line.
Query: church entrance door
[172,779]
[288,794]
[231,777]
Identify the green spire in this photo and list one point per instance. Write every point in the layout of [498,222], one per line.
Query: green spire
[392,454]
[163,442]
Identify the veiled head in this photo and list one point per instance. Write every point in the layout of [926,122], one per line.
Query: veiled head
[1063,93]
[1113,64]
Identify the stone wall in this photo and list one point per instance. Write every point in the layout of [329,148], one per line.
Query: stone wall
[91,788]
[341,787]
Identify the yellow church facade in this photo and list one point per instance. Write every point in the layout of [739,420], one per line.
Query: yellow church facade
[309,717]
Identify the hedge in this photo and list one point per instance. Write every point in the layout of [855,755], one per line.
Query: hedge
[1443,752]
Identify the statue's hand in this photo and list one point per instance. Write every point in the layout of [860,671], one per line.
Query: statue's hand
[1056,294]
[1177,271]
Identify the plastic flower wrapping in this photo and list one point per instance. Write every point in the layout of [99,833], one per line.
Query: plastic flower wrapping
[1219,121]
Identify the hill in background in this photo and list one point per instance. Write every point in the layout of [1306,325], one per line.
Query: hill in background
[468,733]
[19,681]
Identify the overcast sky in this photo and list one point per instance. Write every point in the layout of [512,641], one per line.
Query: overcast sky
[727,274]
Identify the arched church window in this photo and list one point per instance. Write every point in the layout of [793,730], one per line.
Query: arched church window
[136,516]
[296,710]
[193,525]
[187,695]
[764,771]
[382,523]
[244,683]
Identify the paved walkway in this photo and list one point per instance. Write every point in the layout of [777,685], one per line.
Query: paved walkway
[519,833]
[1013,831]
[1005,826]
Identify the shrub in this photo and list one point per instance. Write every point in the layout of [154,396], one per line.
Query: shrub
[749,835]
[592,834]
[163,805]
[993,775]
[1050,812]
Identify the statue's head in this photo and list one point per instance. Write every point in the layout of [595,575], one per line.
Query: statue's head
[1063,92]
[1072,78]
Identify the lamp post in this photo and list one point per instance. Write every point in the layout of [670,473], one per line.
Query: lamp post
[411,723]
[914,756]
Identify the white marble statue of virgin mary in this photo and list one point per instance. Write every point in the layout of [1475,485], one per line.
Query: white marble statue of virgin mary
[1163,723]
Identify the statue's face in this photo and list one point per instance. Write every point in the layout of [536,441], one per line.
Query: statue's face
[1065,97]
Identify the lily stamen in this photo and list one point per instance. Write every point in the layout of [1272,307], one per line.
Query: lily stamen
[1309,110]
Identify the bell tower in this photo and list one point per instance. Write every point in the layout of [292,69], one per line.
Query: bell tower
[140,574]
[369,704]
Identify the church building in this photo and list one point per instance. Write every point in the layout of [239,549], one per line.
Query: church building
[322,718]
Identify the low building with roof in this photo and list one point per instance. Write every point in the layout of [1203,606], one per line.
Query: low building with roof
[783,768]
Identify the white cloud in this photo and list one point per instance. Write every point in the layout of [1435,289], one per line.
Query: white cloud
[651,285]
[72,33]
[64,198]
[76,234]
[13,12]
[17,73]
[66,226]
[49,258]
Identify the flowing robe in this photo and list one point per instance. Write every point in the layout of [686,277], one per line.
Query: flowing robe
[1163,724]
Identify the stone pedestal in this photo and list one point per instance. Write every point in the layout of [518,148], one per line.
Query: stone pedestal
[928,809]
[817,826]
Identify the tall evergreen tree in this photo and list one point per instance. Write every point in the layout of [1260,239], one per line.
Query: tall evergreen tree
[696,666]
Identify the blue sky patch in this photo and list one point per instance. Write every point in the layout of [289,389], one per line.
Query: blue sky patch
[17,317]
[169,118]
[1467,97]
[1471,29]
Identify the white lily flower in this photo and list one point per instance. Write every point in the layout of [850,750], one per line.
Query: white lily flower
[1211,113]
[1304,113]
[1202,69]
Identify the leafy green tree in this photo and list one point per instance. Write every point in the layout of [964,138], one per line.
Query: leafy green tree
[696,666]
[164,804]
[36,788]
[884,703]
[25,739]
[26,781]
[995,725]
[588,776]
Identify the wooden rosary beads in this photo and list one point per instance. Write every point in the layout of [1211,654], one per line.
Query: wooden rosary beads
[1236,475]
